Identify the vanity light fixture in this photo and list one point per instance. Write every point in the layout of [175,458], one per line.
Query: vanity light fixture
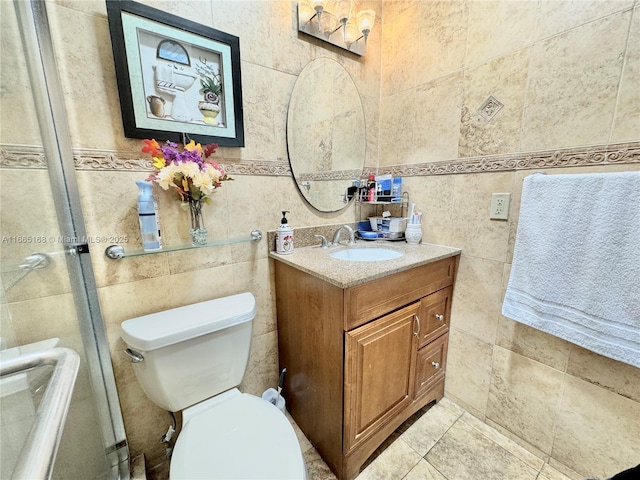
[336,22]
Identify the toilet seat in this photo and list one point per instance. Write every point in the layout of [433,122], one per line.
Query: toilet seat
[238,436]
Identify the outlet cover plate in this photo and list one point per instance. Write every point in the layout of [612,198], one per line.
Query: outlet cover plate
[500,206]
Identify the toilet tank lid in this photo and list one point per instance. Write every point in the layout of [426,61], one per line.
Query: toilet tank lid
[161,329]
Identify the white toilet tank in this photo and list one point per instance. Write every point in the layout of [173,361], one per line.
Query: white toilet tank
[194,352]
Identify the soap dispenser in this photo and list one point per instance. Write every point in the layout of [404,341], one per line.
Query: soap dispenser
[284,236]
[148,216]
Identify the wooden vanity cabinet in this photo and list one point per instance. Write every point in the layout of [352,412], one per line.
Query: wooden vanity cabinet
[361,360]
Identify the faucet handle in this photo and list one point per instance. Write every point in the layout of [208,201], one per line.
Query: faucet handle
[325,242]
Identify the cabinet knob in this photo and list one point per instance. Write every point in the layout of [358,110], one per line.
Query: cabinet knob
[439,316]
[435,364]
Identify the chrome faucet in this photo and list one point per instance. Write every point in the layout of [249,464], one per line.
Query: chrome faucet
[336,236]
[325,242]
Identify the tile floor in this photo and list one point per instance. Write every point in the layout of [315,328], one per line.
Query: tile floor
[444,442]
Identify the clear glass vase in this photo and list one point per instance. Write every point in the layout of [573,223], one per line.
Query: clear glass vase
[197,232]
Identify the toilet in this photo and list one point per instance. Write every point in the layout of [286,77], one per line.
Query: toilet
[192,358]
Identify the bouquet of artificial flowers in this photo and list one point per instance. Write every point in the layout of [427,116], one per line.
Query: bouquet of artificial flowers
[190,171]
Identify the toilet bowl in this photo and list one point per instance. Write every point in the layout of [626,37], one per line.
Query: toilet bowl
[192,358]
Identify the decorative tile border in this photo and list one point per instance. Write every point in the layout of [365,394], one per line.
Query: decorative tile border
[30,157]
[567,157]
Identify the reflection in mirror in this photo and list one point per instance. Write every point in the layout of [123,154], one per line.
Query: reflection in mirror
[325,134]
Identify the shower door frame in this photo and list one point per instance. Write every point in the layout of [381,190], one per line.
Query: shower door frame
[52,119]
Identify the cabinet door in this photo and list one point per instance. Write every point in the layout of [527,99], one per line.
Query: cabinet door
[379,372]
[435,312]
[430,364]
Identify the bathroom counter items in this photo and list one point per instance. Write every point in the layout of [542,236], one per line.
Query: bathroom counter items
[344,274]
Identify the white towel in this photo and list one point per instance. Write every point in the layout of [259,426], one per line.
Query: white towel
[576,263]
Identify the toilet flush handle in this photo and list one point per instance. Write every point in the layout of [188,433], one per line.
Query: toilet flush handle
[135,356]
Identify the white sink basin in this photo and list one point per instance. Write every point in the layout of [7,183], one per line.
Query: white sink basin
[366,254]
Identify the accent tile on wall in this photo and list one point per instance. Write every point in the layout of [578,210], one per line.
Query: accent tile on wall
[597,431]
[524,396]
[573,84]
[504,79]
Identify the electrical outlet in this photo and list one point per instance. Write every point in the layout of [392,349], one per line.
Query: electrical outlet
[500,206]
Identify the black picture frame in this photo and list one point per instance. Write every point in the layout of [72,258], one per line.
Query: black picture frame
[163,64]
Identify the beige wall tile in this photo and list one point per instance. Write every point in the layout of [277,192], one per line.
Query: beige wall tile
[250,20]
[472,230]
[616,376]
[262,371]
[496,28]
[559,16]
[85,62]
[400,51]
[468,371]
[433,197]
[437,120]
[396,132]
[443,28]
[597,431]
[626,125]
[524,397]
[476,299]
[533,344]
[15,83]
[573,84]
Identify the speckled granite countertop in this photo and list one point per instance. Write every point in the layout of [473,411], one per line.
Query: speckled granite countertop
[344,274]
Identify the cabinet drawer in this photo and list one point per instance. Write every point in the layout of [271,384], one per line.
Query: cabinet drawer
[373,299]
[430,363]
[435,314]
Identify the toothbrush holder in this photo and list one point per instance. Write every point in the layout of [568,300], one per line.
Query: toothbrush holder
[413,233]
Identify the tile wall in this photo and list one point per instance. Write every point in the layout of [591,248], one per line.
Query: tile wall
[565,72]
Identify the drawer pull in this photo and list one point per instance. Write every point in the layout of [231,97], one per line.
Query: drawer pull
[435,364]
[439,316]
[416,332]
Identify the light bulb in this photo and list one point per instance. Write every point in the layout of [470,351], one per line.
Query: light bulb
[343,11]
[365,21]
[305,11]
[328,23]
[351,34]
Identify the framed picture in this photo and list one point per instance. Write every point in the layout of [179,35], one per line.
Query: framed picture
[175,76]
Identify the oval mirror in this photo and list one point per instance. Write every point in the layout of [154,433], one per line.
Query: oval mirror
[325,134]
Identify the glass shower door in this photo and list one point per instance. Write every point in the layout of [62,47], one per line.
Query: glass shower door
[48,295]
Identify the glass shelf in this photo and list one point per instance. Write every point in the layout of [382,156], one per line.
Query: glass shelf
[117,252]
